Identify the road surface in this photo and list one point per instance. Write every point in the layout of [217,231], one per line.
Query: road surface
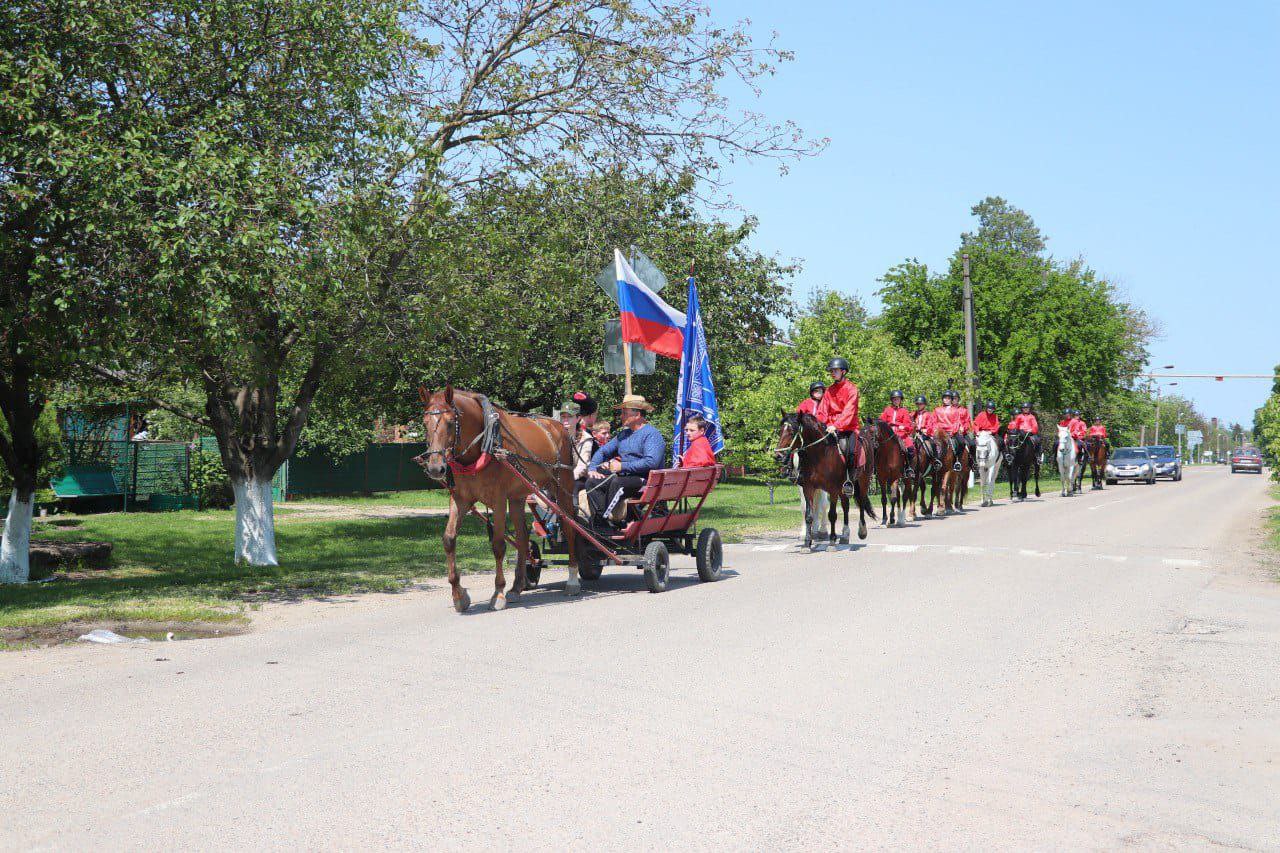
[1100,671]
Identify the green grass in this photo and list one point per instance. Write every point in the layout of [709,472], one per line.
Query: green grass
[176,567]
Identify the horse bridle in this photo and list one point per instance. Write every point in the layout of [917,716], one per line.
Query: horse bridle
[451,452]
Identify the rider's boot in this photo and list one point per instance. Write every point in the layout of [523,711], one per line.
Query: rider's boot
[955,448]
[850,463]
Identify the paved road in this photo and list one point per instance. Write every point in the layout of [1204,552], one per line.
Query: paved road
[1102,671]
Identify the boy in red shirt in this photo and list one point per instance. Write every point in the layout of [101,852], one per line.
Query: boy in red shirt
[988,421]
[955,420]
[1098,432]
[809,405]
[699,453]
[900,421]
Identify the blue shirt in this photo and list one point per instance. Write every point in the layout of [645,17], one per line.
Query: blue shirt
[641,451]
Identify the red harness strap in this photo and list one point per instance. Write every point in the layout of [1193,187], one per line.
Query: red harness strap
[472,469]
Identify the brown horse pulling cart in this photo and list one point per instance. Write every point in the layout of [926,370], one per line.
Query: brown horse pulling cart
[660,521]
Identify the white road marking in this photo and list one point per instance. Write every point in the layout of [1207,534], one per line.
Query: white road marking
[965,549]
[1115,558]
[901,549]
[782,546]
[1112,503]
[1190,564]
[1025,552]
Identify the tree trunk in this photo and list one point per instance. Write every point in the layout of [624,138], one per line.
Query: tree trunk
[255,522]
[16,545]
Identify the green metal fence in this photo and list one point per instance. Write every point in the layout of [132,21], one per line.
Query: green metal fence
[127,474]
[378,468]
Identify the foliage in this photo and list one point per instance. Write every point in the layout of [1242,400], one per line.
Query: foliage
[52,454]
[209,481]
[1266,427]
[877,366]
[1056,333]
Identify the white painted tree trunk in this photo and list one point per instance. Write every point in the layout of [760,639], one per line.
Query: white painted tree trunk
[15,549]
[255,523]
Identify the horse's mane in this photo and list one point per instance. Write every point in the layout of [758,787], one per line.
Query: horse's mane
[808,421]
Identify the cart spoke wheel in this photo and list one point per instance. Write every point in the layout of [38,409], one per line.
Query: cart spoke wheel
[590,562]
[657,566]
[710,554]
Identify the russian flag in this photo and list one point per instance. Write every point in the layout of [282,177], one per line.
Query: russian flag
[646,319]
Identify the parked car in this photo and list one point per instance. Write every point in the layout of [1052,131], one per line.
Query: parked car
[1131,463]
[1246,459]
[1166,460]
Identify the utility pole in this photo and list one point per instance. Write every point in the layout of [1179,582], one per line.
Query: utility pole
[1217,442]
[970,347]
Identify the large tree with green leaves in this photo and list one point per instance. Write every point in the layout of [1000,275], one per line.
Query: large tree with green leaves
[77,157]
[326,140]
[1056,333]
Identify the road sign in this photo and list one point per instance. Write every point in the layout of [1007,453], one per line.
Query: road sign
[642,361]
[1195,436]
[1180,429]
[650,275]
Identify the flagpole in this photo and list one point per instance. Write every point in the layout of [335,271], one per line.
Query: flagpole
[626,366]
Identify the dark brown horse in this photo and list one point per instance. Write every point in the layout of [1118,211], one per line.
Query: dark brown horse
[540,447]
[896,489]
[822,470]
[952,485]
[928,461]
[1095,450]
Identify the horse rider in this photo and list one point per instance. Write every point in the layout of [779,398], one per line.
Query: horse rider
[1077,428]
[955,421]
[902,424]
[838,412]
[1099,432]
[988,421]
[1025,421]
[627,458]
[809,405]
[925,423]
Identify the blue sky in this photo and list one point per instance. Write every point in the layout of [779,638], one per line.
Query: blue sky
[1141,136]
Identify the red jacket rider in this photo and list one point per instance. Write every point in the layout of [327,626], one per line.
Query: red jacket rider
[900,420]
[839,406]
[987,422]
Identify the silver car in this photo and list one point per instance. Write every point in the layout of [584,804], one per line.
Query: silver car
[1131,463]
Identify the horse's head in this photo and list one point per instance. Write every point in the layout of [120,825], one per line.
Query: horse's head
[443,426]
[789,431]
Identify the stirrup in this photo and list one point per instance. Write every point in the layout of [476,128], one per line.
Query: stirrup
[847,488]
[955,466]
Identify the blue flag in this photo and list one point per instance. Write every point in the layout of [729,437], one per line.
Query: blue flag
[695,395]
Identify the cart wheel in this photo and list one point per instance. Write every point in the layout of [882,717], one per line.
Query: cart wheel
[590,563]
[533,569]
[710,554]
[657,566]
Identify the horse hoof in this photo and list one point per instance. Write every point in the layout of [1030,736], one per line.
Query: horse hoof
[573,588]
[862,531]
[844,540]
[462,602]
[498,602]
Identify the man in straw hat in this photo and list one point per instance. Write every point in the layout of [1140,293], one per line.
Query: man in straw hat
[627,459]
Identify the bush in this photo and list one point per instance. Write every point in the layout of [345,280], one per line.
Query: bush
[209,481]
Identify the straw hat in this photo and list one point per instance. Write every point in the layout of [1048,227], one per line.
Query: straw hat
[634,401]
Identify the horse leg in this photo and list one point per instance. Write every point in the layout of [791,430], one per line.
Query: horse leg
[831,520]
[498,541]
[808,517]
[461,601]
[861,497]
[884,501]
[572,586]
[844,531]
[1024,485]
[515,508]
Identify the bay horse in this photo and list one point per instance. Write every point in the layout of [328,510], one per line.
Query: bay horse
[822,470]
[896,489]
[928,462]
[1095,449]
[1020,456]
[458,454]
[952,485]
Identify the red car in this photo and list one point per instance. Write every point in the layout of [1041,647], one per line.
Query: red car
[1246,459]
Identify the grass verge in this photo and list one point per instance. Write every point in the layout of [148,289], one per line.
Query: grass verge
[175,568]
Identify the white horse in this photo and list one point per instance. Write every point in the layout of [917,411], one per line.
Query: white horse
[1068,461]
[988,466]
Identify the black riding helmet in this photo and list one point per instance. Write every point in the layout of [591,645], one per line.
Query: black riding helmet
[922,400]
[990,405]
[817,386]
[1026,406]
[895,395]
[948,395]
[838,364]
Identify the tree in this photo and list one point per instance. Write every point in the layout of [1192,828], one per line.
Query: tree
[74,164]
[1004,228]
[302,222]
[1056,333]
[877,366]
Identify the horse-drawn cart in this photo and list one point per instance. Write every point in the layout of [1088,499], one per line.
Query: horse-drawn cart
[661,520]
